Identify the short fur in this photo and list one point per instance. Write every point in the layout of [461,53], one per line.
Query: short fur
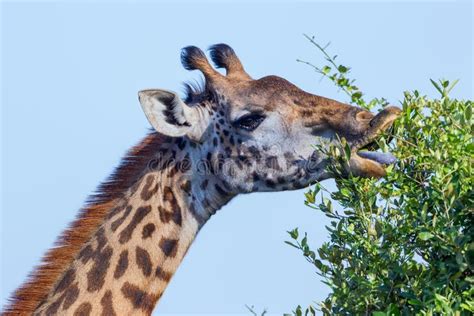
[27,298]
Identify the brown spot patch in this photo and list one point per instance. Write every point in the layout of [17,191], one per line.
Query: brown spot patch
[122,264]
[71,296]
[107,305]
[148,191]
[169,246]
[85,254]
[54,307]
[127,232]
[138,298]
[115,211]
[175,213]
[100,238]
[143,261]
[83,310]
[166,216]
[96,275]
[66,280]
[148,230]
[173,171]
[162,275]
[116,224]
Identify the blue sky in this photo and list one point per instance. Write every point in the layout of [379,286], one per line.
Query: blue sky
[70,74]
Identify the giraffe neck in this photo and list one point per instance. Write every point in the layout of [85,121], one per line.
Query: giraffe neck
[126,264]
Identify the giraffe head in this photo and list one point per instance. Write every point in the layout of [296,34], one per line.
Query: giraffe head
[257,135]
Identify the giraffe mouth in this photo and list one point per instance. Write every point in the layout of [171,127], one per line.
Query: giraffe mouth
[384,159]
[379,124]
[365,160]
[370,152]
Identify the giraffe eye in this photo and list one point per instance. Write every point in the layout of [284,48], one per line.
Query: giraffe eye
[249,122]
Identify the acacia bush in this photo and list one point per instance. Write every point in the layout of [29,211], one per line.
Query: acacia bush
[403,244]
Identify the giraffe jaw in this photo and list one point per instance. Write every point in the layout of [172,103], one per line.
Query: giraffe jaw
[373,163]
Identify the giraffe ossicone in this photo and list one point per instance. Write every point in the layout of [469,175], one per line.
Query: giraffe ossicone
[231,136]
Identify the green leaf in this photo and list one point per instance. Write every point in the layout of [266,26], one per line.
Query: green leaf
[425,235]
[304,241]
[470,147]
[356,95]
[393,310]
[342,69]
[293,233]
[326,69]
[318,263]
[347,151]
[415,302]
[437,87]
[468,113]
[310,196]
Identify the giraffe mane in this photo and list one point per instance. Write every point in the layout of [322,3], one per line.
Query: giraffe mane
[53,264]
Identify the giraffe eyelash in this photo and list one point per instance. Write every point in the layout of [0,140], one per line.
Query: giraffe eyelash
[249,122]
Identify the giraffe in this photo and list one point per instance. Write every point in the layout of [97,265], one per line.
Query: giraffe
[232,135]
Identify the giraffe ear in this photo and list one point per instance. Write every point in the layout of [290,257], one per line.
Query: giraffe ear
[169,115]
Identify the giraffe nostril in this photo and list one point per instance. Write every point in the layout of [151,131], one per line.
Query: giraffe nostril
[364,116]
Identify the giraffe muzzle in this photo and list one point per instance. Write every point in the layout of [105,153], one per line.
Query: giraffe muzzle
[372,163]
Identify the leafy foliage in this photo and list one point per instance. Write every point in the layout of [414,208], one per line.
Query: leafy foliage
[401,245]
